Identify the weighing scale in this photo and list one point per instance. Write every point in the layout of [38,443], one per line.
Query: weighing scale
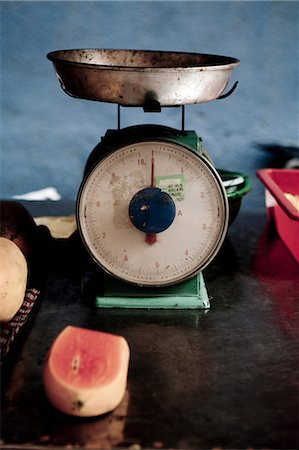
[152,211]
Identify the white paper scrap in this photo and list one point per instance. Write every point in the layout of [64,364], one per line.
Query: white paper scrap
[49,193]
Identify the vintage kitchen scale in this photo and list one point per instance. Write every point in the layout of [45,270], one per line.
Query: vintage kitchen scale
[152,210]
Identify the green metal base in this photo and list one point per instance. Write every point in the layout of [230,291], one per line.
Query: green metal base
[190,294]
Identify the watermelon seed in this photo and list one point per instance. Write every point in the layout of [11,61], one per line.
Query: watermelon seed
[77,405]
[75,363]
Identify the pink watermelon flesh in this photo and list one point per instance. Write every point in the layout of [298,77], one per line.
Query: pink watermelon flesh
[86,358]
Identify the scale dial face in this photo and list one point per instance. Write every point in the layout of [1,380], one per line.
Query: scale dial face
[138,239]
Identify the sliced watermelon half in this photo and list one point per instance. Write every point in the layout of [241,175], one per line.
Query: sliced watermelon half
[85,372]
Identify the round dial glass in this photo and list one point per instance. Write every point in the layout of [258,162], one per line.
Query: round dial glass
[152,213]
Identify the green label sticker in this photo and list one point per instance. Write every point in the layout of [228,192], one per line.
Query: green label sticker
[172,184]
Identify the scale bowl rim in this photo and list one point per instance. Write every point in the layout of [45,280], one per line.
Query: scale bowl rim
[227,62]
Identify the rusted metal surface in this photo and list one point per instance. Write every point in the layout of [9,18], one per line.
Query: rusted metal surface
[225,378]
[135,77]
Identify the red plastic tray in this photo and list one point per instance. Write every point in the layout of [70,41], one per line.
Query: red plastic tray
[278,182]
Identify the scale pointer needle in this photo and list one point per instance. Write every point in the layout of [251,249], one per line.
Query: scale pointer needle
[151,238]
[151,210]
[153,171]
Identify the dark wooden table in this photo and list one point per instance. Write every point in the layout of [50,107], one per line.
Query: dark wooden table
[225,377]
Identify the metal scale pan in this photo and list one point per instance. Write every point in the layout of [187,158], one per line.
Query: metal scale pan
[137,77]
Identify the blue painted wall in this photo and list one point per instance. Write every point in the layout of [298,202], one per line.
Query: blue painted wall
[46,136]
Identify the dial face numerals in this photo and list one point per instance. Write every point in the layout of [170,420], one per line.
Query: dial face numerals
[192,237]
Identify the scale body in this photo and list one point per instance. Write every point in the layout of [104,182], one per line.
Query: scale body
[152,268]
[152,210]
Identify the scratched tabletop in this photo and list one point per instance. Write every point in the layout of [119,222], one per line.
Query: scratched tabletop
[223,377]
